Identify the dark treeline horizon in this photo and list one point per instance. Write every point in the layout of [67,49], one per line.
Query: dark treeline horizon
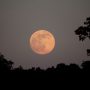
[6,65]
[63,74]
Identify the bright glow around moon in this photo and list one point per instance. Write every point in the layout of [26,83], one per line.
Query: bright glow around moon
[42,42]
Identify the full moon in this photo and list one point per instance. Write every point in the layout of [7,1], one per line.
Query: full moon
[42,42]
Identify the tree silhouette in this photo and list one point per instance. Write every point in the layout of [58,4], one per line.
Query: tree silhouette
[4,64]
[18,69]
[74,68]
[86,66]
[52,69]
[61,67]
[84,32]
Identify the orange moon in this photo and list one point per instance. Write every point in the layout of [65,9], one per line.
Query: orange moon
[42,42]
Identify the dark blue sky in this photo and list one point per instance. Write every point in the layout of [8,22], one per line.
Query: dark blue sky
[20,18]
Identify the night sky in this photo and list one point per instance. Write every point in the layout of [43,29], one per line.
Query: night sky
[20,18]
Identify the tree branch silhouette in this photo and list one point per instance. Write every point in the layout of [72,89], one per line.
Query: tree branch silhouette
[83,32]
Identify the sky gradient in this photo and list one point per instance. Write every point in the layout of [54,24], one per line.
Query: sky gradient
[20,18]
